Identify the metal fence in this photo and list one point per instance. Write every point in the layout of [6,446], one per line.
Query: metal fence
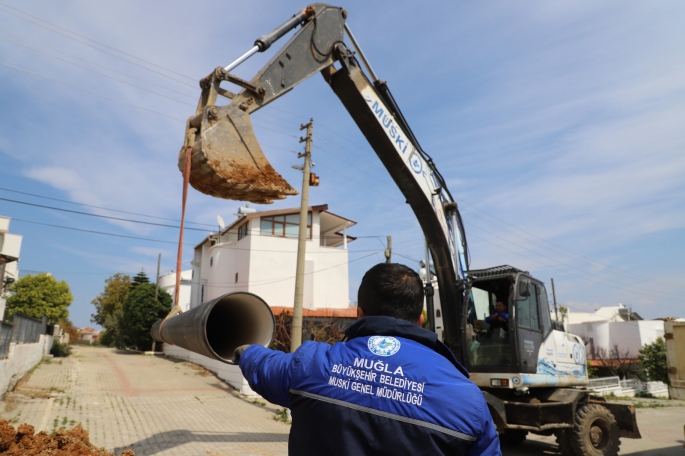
[607,385]
[630,384]
[26,330]
[602,383]
[5,339]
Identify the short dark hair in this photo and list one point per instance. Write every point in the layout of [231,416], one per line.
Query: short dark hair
[392,290]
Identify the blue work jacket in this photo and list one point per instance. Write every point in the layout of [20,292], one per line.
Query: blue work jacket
[390,389]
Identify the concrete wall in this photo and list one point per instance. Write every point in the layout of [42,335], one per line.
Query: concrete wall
[22,358]
[228,372]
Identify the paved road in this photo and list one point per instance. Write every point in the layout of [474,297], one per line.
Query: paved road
[151,405]
[156,406]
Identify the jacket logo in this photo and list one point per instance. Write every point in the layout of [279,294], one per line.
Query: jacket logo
[383,346]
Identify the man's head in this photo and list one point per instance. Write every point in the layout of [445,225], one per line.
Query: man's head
[501,306]
[391,290]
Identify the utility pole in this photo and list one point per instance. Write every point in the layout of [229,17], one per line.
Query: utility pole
[554,298]
[296,328]
[388,251]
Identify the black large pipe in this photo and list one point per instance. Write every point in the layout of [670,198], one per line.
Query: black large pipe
[216,328]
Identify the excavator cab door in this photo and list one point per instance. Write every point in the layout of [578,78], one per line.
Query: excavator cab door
[525,321]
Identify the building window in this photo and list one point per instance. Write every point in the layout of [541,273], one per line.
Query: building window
[236,277]
[211,261]
[242,231]
[284,225]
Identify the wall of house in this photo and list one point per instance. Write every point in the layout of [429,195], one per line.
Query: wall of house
[265,266]
[168,283]
[272,273]
[21,359]
[629,336]
[651,330]
[625,335]
[220,265]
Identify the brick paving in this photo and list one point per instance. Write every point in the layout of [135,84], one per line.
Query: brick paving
[152,405]
[157,406]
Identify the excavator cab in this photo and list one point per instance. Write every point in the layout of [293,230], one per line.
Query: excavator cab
[517,335]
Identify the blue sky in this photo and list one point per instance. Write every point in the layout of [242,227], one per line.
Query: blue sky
[558,126]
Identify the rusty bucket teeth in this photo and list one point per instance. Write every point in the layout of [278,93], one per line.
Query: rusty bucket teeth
[228,163]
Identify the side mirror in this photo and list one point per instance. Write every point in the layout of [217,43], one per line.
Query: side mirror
[523,288]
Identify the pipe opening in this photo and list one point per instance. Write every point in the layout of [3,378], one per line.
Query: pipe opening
[238,319]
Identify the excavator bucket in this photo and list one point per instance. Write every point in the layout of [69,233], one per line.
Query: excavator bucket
[226,160]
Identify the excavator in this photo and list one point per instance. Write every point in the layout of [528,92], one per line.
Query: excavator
[532,373]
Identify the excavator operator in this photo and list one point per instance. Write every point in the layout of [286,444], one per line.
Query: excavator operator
[499,319]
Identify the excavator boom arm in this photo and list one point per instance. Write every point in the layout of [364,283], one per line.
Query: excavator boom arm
[228,162]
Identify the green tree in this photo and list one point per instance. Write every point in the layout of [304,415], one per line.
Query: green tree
[140,279]
[112,298]
[113,336]
[140,311]
[38,295]
[653,357]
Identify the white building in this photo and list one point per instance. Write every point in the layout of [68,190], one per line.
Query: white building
[614,326]
[258,253]
[168,283]
[10,245]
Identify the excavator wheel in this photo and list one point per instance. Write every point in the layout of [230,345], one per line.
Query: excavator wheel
[595,432]
[512,437]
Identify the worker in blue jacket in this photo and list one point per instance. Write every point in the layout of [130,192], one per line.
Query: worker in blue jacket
[390,388]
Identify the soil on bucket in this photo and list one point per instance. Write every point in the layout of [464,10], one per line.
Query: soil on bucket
[25,442]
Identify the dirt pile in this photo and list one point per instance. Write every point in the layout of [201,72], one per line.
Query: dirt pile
[25,442]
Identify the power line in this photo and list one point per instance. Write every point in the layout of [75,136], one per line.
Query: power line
[253,284]
[96,232]
[88,91]
[98,72]
[100,207]
[22,270]
[598,282]
[166,75]
[330,141]
[228,247]
[353,166]
[360,183]
[582,271]
[573,255]
[593,262]
[97,215]
[156,84]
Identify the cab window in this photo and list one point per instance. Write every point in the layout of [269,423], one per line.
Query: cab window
[527,310]
[487,341]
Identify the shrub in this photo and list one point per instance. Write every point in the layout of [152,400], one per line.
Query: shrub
[60,350]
